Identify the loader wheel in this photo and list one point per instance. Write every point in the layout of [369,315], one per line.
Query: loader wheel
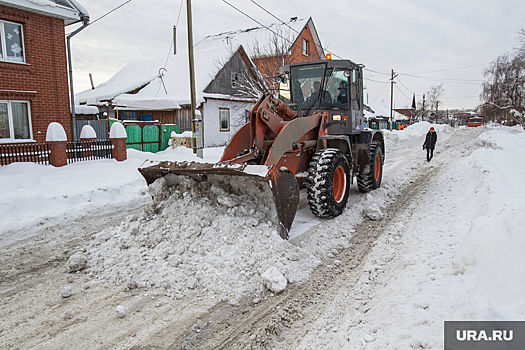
[328,183]
[371,179]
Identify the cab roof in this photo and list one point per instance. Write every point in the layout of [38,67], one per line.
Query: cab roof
[331,64]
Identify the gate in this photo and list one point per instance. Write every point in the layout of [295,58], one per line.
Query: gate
[143,136]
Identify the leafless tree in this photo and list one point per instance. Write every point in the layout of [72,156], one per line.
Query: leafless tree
[504,88]
[434,95]
[272,53]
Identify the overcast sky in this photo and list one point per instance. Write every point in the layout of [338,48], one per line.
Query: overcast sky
[415,38]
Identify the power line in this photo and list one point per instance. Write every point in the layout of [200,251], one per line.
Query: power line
[462,97]
[115,9]
[380,92]
[446,80]
[401,91]
[451,69]
[172,41]
[377,81]
[373,71]
[271,14]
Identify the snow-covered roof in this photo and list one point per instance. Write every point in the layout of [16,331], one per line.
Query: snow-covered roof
[86,109]
[210,54]
[68,10]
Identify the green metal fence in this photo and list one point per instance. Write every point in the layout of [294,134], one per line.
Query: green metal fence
[166,134]
[146,137]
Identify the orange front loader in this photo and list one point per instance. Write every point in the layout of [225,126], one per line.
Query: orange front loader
[321,144]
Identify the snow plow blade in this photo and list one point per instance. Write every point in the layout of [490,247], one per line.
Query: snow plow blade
[279,184]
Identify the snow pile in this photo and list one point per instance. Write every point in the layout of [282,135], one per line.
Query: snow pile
[492,251]
[198,236]
[417,130]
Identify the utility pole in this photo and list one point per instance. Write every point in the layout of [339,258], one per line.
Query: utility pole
[392,96]
[423,114]
[192,73]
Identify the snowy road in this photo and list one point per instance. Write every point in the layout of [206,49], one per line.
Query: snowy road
[353,282]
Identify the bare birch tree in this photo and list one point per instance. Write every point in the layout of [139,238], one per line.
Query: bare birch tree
[504,88]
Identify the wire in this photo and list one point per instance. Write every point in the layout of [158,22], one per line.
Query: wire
[450,69]
[171,45]
[115,9]
[377,81]
[180,10]
[399,80]
[380,92]
[373,71]
[277,18]
[401,91]
[463,97]
[446,80]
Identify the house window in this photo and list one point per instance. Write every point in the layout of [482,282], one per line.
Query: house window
[15,120]
[224,115]
[128,115]
[235,80]
[11,42]
[306,47]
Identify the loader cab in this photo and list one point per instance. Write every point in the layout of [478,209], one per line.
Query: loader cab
[332,86]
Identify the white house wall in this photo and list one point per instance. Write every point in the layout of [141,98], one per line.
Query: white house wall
[213,136]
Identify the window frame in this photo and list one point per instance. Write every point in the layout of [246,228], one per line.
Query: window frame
[234,80]
[10,121]
[221,109]
[306,47]
[3,42]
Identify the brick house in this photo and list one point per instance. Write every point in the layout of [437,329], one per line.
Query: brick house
[33,67]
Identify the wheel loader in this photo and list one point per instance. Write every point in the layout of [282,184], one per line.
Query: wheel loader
[312,136]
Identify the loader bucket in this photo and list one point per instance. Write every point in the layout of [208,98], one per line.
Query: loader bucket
[265,182]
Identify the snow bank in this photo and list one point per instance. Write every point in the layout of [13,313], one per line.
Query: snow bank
[491,254]
[40,194]
[417,130]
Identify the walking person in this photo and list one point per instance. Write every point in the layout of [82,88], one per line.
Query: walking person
[430,143]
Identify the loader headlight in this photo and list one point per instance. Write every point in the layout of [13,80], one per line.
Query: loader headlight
[336,117]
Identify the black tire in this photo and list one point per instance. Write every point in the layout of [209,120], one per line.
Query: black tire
[328,170]
[371,177]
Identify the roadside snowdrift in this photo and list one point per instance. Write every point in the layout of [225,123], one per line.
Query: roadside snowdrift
[491,254]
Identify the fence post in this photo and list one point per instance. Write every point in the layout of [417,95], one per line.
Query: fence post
[57,141]
[118,137]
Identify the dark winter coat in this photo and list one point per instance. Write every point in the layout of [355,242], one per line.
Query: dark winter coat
[431,139]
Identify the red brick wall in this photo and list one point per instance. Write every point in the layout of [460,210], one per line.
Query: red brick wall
[45,71]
